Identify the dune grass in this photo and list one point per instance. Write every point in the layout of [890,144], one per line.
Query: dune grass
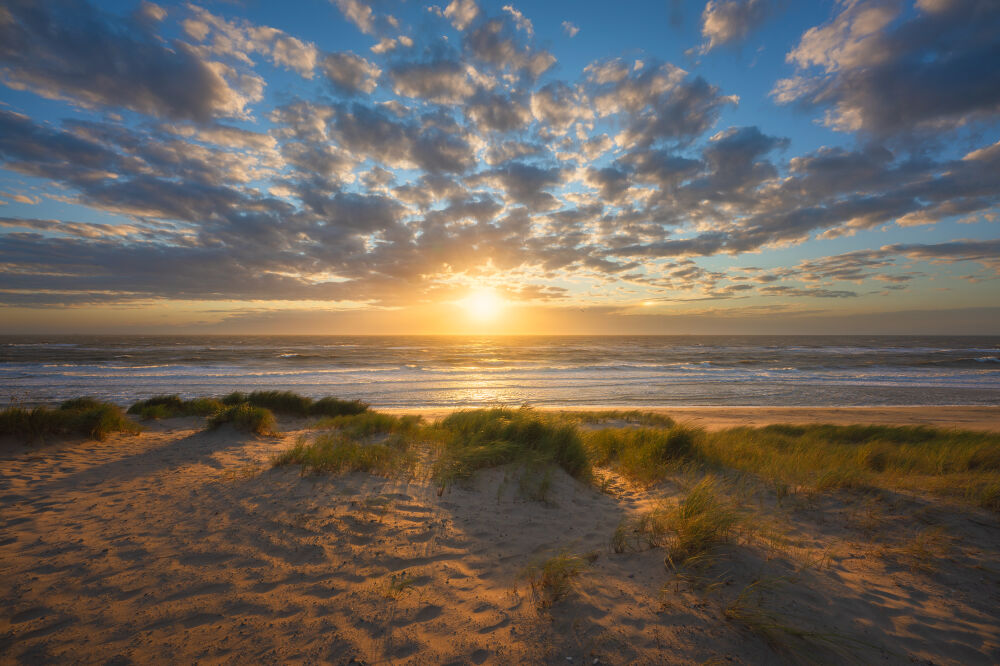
[335,453]
[960,465]
[689,531]
[370,424]
[604,416]
[551,579]
[79,416]
[921,553]
[783,633]
[644,455]
[293,404]
[172,406]
[963,465]
[246,417]
[476,439]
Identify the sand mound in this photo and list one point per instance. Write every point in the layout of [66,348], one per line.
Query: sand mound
[180,545]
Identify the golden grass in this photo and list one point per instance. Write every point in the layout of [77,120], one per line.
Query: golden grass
[476,439]
[337,453]
[552,579]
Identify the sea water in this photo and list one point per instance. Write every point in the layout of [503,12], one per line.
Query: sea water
[398,371]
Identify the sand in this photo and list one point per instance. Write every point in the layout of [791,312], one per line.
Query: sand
[180,546]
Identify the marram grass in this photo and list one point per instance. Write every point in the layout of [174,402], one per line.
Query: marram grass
[334,453]
[476,439]
[172,406]
[79,416]
[246,417]
[293,404]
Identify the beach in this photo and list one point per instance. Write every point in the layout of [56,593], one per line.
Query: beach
[182,544]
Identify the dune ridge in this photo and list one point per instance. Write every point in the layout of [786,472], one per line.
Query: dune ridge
[182,544]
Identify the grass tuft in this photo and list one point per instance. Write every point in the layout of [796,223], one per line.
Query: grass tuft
[689,531]
[552,579]
[79,416]
[632,416]
[337,453]
[922,553]
[370,424]
[476,439]
[783,635]
[703,520]
[335,407]
[293,404]
[246,417]
[172,406]
[643,455]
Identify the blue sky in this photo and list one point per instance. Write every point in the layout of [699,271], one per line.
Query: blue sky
[362,167]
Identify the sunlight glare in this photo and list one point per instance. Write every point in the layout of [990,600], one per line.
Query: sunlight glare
[483,305]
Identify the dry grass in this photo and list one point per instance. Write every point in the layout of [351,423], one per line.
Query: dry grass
[337,453]
[956,464]
[369,424]
[643,455]
[922,553]
[396,585]
[782,633]
[690,531]
[550,580]
[603,416]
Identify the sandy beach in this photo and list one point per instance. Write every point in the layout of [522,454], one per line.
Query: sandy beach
[181,545]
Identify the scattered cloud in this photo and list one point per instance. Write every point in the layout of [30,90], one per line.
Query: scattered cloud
[882,71]
[725,22]
[428,164]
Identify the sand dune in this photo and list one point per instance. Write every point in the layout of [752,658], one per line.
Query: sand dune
[179,545]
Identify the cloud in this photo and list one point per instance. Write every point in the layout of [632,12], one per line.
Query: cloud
[522,22]
[493,43]
[350,73]
[570,29]
[462,13]
[497,112]
[885,73]
[475,158]
[428,145]
[238,39]
[725,22]
[358,13]
[441,81]
[526,184]
[66,51]
[558,106]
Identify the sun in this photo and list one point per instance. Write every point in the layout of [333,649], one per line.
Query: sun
[483,305]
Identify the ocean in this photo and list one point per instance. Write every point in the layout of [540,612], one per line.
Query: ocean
[402,371]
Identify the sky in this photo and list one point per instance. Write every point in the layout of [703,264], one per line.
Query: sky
[393,166]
